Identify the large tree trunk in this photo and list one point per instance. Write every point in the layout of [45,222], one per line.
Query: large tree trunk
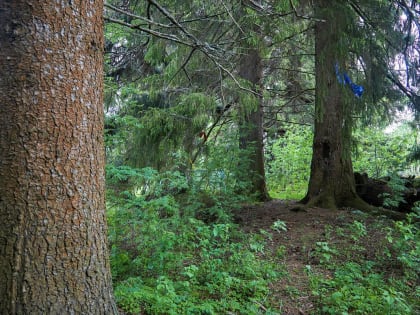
[53,244]
[251,128]
[331,183]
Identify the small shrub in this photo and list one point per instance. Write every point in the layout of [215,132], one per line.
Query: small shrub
[360,286]
[397,185]
[165,260]
[288,171]
[357,289]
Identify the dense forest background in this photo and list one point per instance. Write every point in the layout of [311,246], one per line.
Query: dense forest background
[215,108]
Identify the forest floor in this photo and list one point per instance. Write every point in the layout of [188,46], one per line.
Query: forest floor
[304,229]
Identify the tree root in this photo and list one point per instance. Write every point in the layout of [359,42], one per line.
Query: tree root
[328,202]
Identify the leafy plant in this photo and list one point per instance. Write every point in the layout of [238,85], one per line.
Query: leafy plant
[404,239]
[397,185]
[166,261]
[279,226]
[378,153]
[358,285]
[288,171]
[324,252]
[357,289]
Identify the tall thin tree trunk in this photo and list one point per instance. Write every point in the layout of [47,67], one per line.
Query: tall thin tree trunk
[53,244]
[331,182]
[251,127]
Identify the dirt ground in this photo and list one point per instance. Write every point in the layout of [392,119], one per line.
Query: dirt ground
[304,229]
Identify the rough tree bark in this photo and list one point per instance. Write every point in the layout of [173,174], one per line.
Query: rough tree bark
[53,245]
[251,127]
[331,183]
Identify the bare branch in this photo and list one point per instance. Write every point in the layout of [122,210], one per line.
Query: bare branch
[183,66]
[136,16]
[211,52]
[171,18]
[232,17]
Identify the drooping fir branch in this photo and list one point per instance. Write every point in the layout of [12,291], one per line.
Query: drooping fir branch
[410,49]
[410,93]
[191,40]
[161,35]
[184,64]
[411,37]
[218,122]
[306,17]
[139,17]
[213,52]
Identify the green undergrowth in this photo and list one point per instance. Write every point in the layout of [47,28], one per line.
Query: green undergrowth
[174,252]
[367,269]
[288,171]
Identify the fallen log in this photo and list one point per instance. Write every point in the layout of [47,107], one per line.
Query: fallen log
[375,191]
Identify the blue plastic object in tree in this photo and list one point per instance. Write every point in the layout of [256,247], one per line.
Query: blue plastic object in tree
[343,78]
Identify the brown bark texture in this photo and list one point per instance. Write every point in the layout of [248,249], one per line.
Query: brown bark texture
[53,245]
[331,183]
[251,126]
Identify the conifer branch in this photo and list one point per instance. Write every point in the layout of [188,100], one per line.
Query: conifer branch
[208,50]
[232,17]
[184,64]
[303,16]
[171,18]
[165,36]
[148,21]
[233,77]
[414,98]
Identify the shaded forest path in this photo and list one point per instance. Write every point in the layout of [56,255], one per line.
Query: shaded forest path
[294,247]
